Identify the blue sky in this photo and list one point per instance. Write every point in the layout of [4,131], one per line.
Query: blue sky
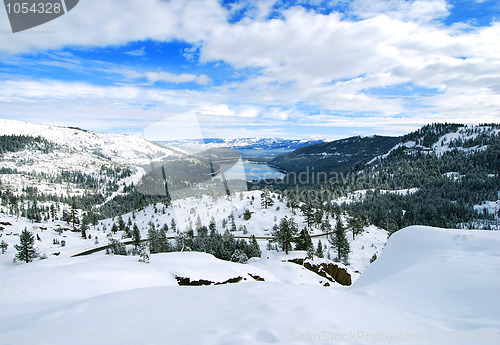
[242,68]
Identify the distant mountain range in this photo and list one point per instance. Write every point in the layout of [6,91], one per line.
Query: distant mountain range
[248,147]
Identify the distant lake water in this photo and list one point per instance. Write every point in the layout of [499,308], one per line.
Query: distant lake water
[250,171]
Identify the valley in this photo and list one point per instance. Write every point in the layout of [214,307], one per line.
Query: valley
[119,225]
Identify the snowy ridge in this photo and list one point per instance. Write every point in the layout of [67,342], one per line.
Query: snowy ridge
[451,141]
[468,139]
[118,148]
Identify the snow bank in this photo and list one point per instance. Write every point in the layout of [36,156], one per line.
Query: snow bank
[430,286]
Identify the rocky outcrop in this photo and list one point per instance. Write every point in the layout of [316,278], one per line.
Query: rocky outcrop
[329,271]
[183,281]
[256,277]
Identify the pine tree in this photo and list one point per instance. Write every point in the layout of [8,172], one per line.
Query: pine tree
[247,214]
[121,224]
[153,237]
[308,213]
[254,248]
[304,242]
[74,215]
[164,245]
[52,212]
[310,252]
[143,253]
[116,247]
[26,250]
[266,200]
[233,224]
[239,256]
[136,236]
[83,230]
[357,224]
[285,233]
[3,246]
[319,250]
[339,242]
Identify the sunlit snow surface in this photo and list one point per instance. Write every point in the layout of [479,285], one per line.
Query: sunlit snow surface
[429,286]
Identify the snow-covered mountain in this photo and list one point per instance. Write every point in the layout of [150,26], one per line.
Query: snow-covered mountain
[67,162]
[246,143]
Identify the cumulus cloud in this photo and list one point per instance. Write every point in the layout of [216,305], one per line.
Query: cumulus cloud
[306,68]
[114,22]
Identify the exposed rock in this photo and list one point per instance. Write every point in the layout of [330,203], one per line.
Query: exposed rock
[5,223]
[329,271]
[256,277]
[182,281]
[187,281]
[231,281]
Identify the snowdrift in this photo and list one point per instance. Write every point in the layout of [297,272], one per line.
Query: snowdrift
[430,286]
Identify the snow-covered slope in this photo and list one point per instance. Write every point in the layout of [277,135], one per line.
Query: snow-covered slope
[439,139]
[431,286]
[185,213]
[71,162]
[118,148]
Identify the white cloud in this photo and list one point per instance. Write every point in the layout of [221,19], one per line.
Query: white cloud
[422,11]
[138,52]
[325,62]
[114,22]
[161,76]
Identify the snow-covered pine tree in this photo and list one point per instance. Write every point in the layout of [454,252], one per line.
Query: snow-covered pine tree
[266,200]
[3,246]
[26,250]
[239,256]
[247,214]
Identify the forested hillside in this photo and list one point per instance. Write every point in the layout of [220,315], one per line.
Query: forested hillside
[340,156]
[447,174]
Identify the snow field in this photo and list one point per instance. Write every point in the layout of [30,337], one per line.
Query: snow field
[430,286]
